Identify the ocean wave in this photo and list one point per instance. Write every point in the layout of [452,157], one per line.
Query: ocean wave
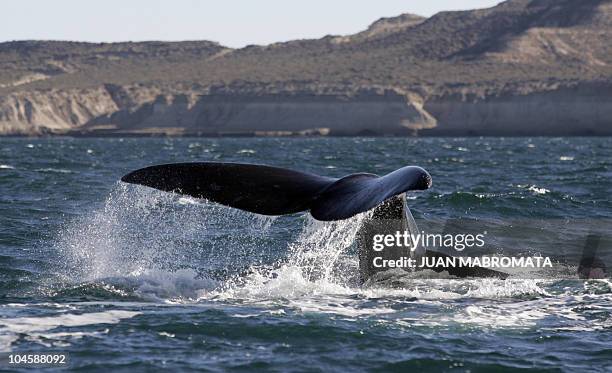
[54,170]
[39,328]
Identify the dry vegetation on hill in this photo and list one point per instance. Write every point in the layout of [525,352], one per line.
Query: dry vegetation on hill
[517,48]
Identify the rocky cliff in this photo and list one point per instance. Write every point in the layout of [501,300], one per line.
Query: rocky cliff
[530,67]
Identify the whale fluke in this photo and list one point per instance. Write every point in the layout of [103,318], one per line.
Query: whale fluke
[270,190]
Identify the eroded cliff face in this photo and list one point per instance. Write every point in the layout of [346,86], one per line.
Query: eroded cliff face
[580,109]
[116,110]
[36,113]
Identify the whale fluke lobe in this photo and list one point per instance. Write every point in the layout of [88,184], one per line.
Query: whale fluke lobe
[270,190]
[255,188]
[357,193]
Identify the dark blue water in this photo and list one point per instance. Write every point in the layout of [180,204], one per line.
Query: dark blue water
[127,278]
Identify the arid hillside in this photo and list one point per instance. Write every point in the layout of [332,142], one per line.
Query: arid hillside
[523,67]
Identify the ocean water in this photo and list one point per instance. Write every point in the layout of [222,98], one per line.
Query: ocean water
[123,277]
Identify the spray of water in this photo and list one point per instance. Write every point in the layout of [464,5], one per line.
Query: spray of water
[140,233]
[318,261]
[170,247]
[322,247]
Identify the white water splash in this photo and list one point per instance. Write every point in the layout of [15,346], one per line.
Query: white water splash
[318,262]
[155,240]
[537,190]
[321,245]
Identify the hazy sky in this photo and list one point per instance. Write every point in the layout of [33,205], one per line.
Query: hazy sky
[233,23]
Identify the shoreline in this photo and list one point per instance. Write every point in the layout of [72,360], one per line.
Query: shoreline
[235,136]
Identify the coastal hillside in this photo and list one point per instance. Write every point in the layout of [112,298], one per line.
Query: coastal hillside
[526,67]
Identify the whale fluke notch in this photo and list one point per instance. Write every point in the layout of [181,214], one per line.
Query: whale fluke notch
[270,190]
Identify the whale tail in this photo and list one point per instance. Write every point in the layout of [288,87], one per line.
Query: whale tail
[270,190]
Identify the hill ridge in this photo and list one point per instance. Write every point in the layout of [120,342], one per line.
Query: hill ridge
[516,49]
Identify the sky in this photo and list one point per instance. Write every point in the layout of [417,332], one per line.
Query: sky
[233,23]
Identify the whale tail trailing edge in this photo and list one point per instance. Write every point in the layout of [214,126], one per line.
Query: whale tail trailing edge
[270,190]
